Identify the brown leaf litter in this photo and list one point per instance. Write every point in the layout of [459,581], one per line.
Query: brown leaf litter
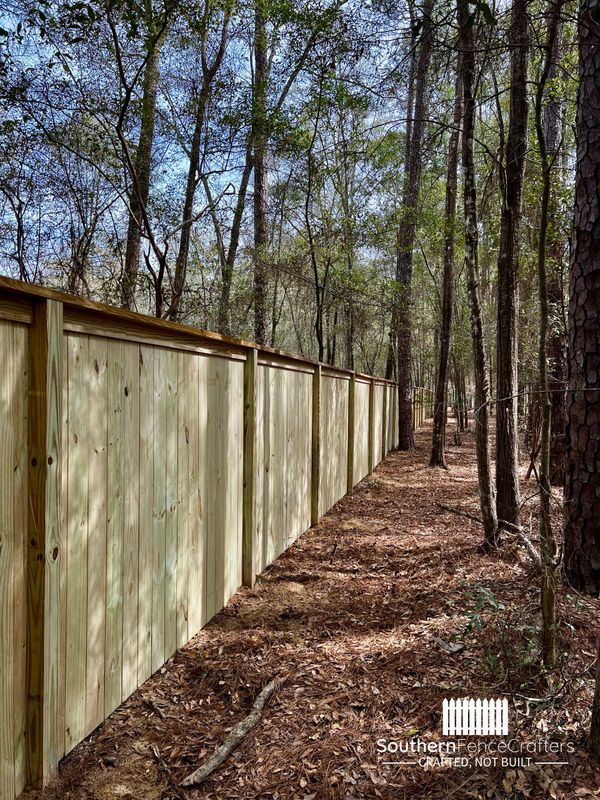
[372,618]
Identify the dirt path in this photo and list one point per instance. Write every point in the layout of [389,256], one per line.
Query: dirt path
[359,616]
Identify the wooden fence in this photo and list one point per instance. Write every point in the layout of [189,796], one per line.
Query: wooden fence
[146,471]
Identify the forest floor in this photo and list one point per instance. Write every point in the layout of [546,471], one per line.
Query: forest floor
[371,619]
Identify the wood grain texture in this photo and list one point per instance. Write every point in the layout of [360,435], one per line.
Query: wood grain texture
[145,561]
[249,535]
[43,566]
[130,400]
[77,543]
[171,516]
[13,563]
[184,519]
[361,430]
[115,526]
[334,440]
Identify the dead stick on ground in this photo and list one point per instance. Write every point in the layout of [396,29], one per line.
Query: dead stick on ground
[235,736]
[519,532]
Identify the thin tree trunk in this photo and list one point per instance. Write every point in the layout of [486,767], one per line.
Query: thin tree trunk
[484,473]
[209,72]
[406,236]
[547,540]
[507,432]
[140,189]
[438,458]
[557,338]
[582,479]
[259,138]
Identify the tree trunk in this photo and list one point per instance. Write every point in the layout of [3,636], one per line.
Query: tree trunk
[209,72]
[259,139]
[557,338]
[406,235]
[582,479]
[547,540]
[438,458]
[507,432]
[484,473]
[140,189]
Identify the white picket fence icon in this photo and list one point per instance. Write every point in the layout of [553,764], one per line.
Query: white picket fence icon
[468,717]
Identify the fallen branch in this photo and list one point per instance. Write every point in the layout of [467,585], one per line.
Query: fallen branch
[519,532]
[235,736]
[153,707]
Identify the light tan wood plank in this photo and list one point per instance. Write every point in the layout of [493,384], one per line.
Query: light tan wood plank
[131,472]
[145,561]
[171,516]
[8,568]
[77,542]
[183,493]
[115,527]
[159,501]
[97,471]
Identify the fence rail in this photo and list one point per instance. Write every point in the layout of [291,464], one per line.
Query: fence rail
[147,469]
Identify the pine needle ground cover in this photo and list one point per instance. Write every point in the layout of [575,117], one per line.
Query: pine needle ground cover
[370,620]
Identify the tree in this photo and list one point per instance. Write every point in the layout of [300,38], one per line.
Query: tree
[482,393]
[438,458]
[140,165]
[582,479]
[401,313]
[507,444]
[547,540]
[209,70]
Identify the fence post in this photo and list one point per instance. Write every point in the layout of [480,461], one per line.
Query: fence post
[351,420]
[384,422]
[43,538]
[315,446]
[249,472]
[371,423]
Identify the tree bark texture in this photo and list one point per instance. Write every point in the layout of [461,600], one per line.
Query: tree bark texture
[140,189]
[438,458]
[557,336]
[507,431]
[582,478]
[259,138]
[487,496]
[402,322]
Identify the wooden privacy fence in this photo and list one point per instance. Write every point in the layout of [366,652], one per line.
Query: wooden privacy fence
[147,469]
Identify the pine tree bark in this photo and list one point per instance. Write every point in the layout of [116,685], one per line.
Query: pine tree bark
[507,431]
[438,457]
[401,315]
[259,138]
[487,497]
[140,189]
[582,479]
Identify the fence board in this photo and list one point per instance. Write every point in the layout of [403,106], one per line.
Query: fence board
[361,431]
[130,398]
[334,440]
[77,542]
[13,521]
[145,559]
[114,523]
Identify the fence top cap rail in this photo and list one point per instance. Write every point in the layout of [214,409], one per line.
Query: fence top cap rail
[32,291]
